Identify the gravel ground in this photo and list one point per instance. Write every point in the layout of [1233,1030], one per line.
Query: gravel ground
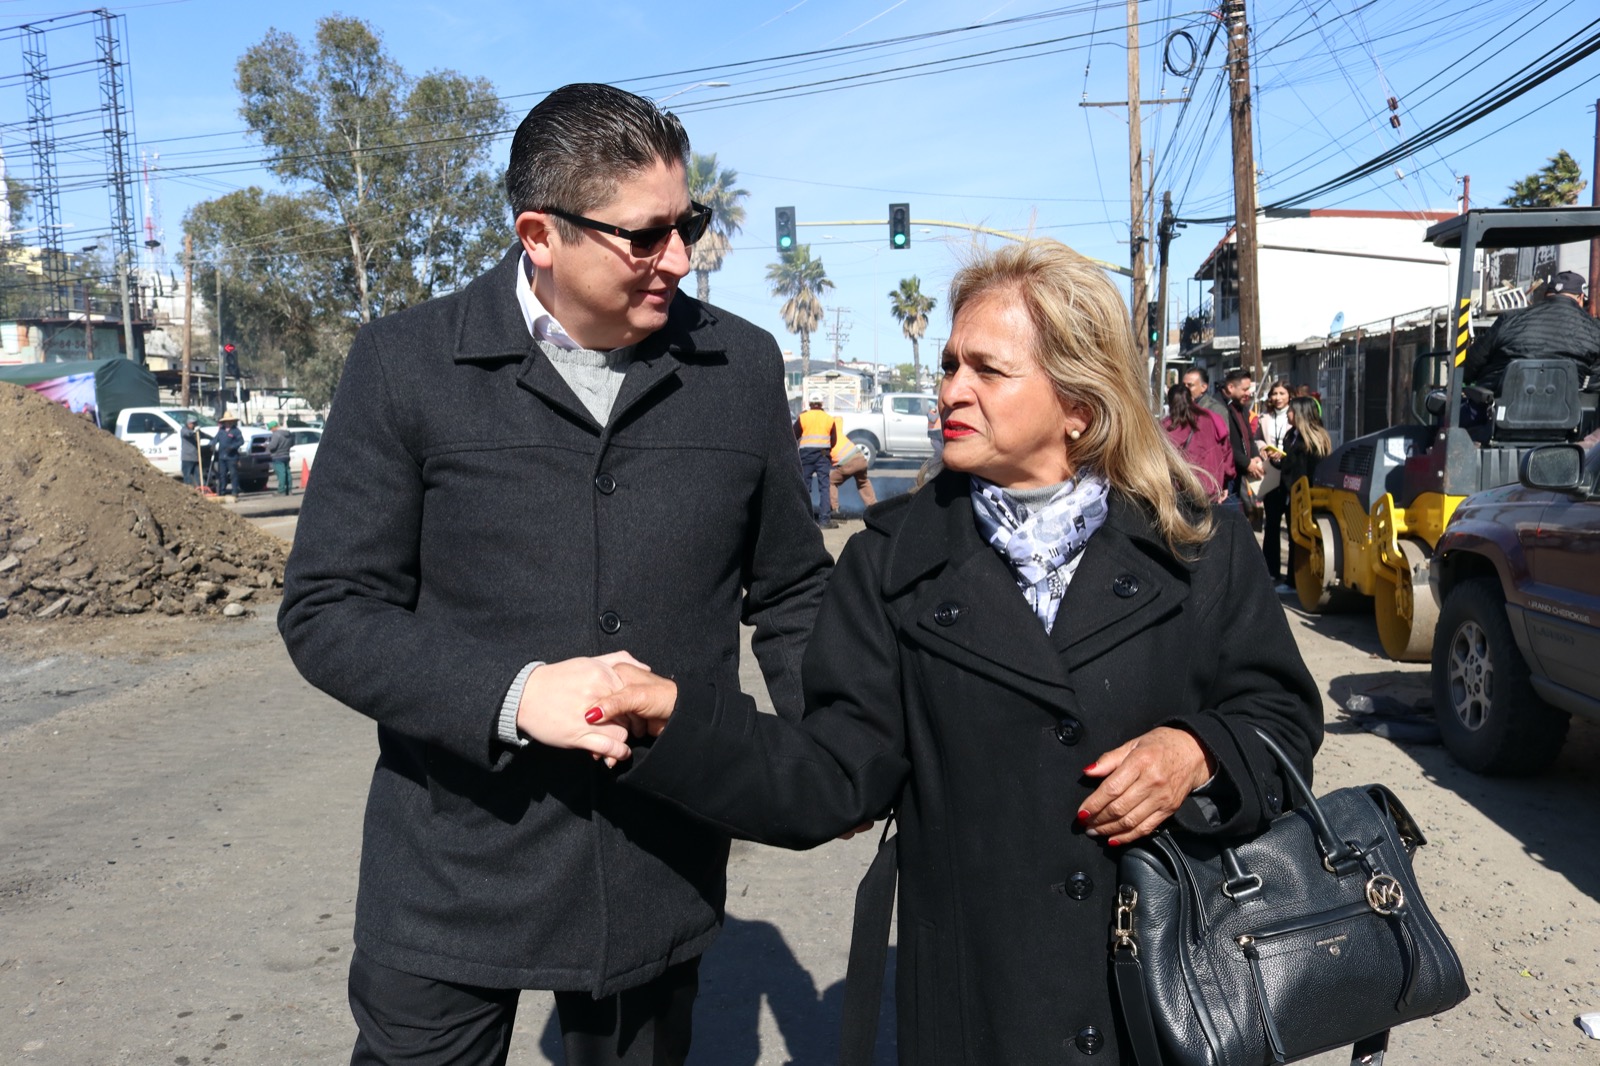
[180,820]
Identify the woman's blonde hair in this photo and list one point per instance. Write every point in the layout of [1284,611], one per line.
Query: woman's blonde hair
[1086,346]
[1308,421]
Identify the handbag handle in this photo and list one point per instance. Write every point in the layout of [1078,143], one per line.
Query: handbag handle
[1336,853]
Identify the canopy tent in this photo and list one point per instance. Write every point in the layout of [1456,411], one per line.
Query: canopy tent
[118,383]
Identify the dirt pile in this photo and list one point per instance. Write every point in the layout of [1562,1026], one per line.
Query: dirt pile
[88,526]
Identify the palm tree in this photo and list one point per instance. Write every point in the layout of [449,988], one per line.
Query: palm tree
[910,307]
[717,190]
[802,279]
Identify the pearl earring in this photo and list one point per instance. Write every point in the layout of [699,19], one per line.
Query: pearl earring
[1074,433]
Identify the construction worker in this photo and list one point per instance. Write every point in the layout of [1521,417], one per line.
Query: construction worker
[849,461]
[817,434]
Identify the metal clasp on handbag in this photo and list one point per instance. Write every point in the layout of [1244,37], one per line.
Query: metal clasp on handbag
[1122,932]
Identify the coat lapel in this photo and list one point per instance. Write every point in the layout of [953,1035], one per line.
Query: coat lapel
[968,609]
[1126,582]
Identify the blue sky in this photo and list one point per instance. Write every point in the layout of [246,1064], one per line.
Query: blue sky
[996,138]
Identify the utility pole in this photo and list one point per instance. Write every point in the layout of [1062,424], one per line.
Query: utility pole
[1138,289]
[1594,199]
[222,363]
[123,266]
[838,334]
[188,313]
[1244,188]
[1164,235]
[1466,193]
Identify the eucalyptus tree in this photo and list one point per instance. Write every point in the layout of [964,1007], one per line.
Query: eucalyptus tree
[397,166]
[802,280]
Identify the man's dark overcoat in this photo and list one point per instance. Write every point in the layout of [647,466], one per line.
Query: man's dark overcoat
[469,516]
[933,688]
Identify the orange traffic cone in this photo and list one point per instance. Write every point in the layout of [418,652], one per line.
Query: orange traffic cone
[305,474]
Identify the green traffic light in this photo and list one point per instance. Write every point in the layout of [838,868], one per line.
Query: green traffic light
[900,239]
[785,241]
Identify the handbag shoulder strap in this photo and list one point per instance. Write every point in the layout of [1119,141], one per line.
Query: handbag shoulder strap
[869,954]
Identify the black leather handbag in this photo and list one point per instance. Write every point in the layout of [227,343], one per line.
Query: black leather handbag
[1309,937]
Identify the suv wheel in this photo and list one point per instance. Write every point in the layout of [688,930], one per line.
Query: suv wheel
[1488,714]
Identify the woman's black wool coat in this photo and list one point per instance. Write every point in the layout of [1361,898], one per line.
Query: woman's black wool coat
[932,688]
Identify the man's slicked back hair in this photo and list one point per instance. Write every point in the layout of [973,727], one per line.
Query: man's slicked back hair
[577,144]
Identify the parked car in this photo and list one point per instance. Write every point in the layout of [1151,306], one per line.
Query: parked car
[896,423]
[154,431]
[1517,579]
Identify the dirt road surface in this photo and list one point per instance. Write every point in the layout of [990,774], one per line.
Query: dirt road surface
[180,820]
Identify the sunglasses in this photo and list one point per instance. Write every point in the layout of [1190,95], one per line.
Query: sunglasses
[650,240]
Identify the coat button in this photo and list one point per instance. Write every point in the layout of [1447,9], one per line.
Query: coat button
[1089,1040]
[610,622]
[1125,586]
[1069,731]
[606,484]
[947,613]
[1079,885]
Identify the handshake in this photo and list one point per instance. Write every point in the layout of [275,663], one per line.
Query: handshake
[595,704]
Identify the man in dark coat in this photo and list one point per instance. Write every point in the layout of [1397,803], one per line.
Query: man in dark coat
[500,519]
[1244,436]
[1198,382]
[228,442]
[1556,326]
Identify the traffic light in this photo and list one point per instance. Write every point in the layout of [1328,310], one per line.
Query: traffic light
[1227,273]
[1153,314]
[230,359]
[785,217]
[899,225]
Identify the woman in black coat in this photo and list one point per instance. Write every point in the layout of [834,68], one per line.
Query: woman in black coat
[1046,652]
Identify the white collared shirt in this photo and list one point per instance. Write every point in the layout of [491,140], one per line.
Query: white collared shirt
[542,325]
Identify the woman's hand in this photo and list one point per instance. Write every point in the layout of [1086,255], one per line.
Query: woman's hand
[1142,783]
[556,696]
[642,703]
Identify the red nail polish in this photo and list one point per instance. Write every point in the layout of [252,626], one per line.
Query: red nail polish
[593,715]
[1083,816]
[1114,843]
[1090,768]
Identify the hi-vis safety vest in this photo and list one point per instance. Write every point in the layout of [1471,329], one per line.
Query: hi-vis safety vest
[815,428]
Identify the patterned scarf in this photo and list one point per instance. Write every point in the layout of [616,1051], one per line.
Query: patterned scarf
[1043,547]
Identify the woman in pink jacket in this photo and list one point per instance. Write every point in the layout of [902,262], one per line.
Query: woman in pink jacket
[1202,437]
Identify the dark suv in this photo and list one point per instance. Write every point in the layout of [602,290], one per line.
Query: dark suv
[1517,648]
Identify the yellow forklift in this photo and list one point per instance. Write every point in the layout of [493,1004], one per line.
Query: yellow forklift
[1365,524]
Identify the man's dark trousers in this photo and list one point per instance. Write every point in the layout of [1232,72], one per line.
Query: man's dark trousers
[645,1026]
[818,462]
[228,475]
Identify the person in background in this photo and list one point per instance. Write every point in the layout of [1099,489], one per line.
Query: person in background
[982,665]
[1306,444]
[817,433]
[1554,325]
[1202,438]
[1198,382]
[278,447]
[500,518]
[1274,428]
[1243,434]
[189,451]
[849,461]
[226,445]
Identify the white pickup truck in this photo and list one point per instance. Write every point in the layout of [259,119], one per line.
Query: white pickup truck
[895,424]
[154,431]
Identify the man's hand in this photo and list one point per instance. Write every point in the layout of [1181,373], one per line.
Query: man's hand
[1255,468]
[1142,783]
[557,695]
[643,701]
